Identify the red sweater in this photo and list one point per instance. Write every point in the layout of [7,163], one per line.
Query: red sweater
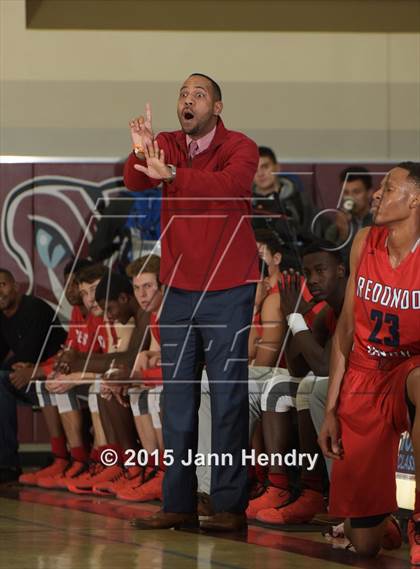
[207,240]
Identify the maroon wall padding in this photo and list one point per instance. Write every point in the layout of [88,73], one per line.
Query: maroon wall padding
[54,201]
[31,426]
[12,177]
[25,424]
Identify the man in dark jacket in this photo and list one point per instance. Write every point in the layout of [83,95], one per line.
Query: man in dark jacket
[29,334]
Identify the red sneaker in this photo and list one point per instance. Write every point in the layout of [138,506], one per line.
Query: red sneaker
[85,484]
[393,536]
[57,467]
[125,478]
[60,480]
[85,475]
[150,489]
[414,539]
[271,497]
[300,511]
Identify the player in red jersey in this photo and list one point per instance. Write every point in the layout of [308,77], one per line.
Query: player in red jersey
[87,333]
[286,393]
[268,327]
[374,387]
[47,401]
[120,306]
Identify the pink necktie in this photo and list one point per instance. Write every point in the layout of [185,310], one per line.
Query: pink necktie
[193,149]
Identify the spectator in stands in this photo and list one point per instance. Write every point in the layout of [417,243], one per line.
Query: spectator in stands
[29,333]
[356,183]
[126,222]
[282,195]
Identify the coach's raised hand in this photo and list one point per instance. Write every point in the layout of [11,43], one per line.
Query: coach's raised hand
[142,131]
[155,162]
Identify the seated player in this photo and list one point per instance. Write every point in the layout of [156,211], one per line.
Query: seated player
[29,334]
[112,293]
[306,352]
[115,295]
[87,333]
[145,402]
[267,333]
[374,390]
[47,400]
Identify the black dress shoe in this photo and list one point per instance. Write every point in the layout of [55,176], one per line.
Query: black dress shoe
[167,520]
[225,521]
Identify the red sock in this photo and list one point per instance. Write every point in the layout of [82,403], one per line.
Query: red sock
[59,447]
[162,465]
[116,448]
[314,483]
[79,453]
[251,472]
[279,480]
[261,473]
[94,454]
[417,502]
[153,462]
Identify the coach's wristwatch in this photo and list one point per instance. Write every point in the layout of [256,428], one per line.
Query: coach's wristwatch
[171,178]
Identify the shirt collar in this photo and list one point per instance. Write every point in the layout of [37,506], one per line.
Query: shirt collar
[203,142]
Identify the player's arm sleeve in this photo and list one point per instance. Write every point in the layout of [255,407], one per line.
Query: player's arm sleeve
[234,179]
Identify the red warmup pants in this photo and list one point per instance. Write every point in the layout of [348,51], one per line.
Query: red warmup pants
[372,413]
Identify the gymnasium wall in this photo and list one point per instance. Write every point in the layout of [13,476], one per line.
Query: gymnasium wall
[313,95]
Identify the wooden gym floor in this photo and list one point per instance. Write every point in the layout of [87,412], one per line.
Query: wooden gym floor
[42,529]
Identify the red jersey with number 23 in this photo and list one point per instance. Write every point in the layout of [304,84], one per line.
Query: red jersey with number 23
[386,305]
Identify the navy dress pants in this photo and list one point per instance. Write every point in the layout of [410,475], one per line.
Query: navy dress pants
[208,329]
